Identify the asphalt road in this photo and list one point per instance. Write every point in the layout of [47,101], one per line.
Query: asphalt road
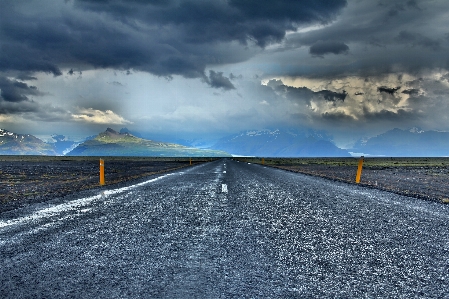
[227,230]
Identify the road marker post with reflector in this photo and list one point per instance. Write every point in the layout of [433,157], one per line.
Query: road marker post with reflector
[101,172]
[359,170]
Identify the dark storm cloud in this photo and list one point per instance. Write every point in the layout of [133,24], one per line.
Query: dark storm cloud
[333,96]
[416,39]
[233,77]
[306,94]
[388,115]
[164,38]
[15,98]
[413,4]
[337,117]
[217,80]
[388,89]
[412,41]
[396,9]
[25,77]
[16,91]
[321,48]
[411,91]
[205,21]
[445,77]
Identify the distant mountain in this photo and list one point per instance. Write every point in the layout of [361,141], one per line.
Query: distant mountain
[126,130]
[112,143]
[18,144]
[413,142]
[280,143]
[200,142]
[62,145]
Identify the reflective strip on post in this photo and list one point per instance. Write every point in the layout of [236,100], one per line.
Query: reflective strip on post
[359,170]
[101,172]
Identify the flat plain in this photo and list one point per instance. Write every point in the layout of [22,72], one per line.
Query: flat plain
[31,179]
[424,178]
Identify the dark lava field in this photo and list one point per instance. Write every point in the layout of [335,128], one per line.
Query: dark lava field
[31,179]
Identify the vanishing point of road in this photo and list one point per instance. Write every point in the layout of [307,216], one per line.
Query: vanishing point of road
[227,229]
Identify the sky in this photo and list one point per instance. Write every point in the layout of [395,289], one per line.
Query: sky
[206,69]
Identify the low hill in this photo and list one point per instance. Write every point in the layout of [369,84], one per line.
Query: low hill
[113,143]
[19,144]
[280,143]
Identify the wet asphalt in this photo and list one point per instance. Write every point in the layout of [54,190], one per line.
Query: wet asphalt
[227,229]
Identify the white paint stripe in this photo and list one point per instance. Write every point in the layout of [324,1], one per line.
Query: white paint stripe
[224,171]
[224,188]
[73,205]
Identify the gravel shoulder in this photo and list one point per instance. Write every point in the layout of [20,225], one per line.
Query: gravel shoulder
[34,179]
[423,178]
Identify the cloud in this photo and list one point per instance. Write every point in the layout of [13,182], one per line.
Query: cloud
[416,39]
[15,100]
[398,116]
[321,48]
[164,38]
[413,41]
[16,91]
[91,115]
[411,91]
[306,94]
[388,89]
[115,83]
[217,80]
[332,96]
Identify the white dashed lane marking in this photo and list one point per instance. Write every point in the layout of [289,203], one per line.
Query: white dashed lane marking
[224,188]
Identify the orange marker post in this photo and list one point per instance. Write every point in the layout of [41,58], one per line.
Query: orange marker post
[190,161]
[263,161]
[359,170]
[101,172]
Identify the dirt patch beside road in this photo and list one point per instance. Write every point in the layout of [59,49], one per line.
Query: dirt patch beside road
[30,179]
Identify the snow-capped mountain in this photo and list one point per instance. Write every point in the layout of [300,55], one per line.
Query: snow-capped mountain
[20,144]
[413,142]
[280,143]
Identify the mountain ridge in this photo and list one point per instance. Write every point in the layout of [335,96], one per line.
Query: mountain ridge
[280,143]
[113,143]
[413,142]
[23,144]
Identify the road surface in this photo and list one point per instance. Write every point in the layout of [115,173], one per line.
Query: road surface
[227,229]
